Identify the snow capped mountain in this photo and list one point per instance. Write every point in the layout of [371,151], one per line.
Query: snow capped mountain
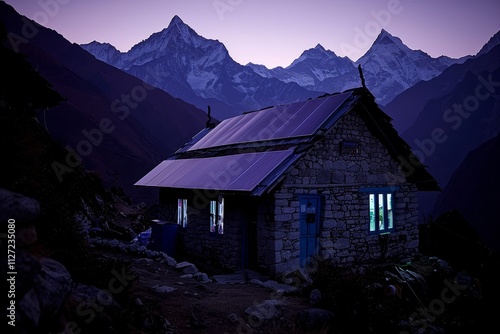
[314,69]
[390,67]
[200,71]
[104,51]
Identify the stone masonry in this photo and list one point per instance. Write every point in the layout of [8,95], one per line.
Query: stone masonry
[338,177]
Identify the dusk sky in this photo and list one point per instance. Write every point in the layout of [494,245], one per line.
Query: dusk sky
[275,32]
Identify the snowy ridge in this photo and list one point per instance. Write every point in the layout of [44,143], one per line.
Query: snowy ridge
[191,67]
[200,71]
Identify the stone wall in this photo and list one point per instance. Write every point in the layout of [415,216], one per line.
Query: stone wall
[224,251]
[338,177]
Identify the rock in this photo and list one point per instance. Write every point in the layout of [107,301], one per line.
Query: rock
[200,276]
[144,260]
[90,307]
[268,310]
[183,264]
[27,267]
[230,279]
[171,261]
[190,270]
[52,285]
[314,319]
[156,323]
[89,296]
[275,286]
[17,206]
[164,289]
[150,253]
[187,276]
[255,281]
[30,308]
[314,297]
[133,248]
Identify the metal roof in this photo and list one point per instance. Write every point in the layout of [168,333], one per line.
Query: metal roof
[279,122]
[252,152]
[240,172]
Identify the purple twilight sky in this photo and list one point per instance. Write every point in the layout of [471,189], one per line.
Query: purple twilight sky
[275,32]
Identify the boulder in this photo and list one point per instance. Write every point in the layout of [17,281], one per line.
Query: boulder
[51,285]
[267,310]
[17,206]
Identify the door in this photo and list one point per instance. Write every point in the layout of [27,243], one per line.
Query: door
[309,217]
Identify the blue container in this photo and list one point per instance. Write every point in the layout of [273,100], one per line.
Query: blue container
[163,236]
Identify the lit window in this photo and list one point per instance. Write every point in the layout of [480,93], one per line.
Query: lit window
[182,212]
[381,209]
[217,216]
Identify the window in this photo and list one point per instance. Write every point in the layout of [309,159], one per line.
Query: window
[217,216]
[381,209]
[182,212]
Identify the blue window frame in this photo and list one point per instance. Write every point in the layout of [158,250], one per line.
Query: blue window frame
[381,209]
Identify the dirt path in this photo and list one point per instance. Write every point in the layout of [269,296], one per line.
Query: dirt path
[195,307]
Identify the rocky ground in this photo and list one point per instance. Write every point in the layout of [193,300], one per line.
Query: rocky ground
[129,288]
[182,303]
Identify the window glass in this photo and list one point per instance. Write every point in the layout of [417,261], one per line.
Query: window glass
[217,216]
[373,221]
[220,227]
[381,220]
[390,222]
[213,216]
[182,212]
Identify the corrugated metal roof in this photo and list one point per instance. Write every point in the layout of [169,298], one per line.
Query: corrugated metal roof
[251,152]
[241,172]
[284,121]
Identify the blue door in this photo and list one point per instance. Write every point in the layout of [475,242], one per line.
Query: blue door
[309,217]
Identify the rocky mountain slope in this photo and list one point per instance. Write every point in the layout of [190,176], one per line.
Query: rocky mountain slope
[199,71]
[110,121]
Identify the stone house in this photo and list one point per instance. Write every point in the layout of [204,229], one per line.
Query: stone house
[269,189]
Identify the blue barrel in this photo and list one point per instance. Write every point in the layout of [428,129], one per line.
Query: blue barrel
[163,236]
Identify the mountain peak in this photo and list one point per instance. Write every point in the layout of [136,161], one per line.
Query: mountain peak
[385,37]
[175,21]
[319,47]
